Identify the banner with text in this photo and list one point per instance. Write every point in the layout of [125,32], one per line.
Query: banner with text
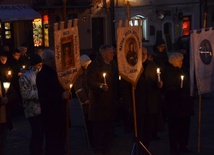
[67,52]
[129,51]
[201,60]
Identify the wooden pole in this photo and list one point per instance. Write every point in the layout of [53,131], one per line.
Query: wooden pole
[199,123]
[67,127]
[137,141]
[64,10]
[128,10]
[200,97]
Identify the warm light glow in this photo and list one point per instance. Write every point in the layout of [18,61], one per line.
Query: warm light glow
[158,70]
[71,85]
[104,76]
[182,77]
[119,77]
[6,85]
[9,72]
[23,66]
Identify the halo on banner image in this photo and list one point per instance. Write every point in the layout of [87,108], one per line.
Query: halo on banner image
[205,51]
[131,51]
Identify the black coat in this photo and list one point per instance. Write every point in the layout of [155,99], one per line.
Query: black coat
[147,91]
[53,107]
[103,103]
[178,101]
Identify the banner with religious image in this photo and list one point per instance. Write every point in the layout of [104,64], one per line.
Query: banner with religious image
[67,52]
[129,51]
[201,60]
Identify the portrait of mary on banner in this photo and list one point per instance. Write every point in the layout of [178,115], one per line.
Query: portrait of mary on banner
[129,52]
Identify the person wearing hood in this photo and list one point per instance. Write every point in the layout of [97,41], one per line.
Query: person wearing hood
[52,98]
[31,104]
[161,57]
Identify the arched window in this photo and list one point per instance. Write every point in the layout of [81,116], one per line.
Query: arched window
[134,22]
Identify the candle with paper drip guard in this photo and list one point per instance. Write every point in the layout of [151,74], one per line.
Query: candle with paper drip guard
[104,77]
[158,73]
[6,86]
[182,80]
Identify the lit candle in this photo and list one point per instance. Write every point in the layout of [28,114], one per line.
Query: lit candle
[182,79]
[71,85]
[119,77]
[23,66]
[9,72]
[6,85]
[158,73]
[104,76]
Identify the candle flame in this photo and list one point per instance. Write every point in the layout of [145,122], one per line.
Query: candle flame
[104,74]
[182,77]
[71,85]
[9,73]
[158,70]
[23,66]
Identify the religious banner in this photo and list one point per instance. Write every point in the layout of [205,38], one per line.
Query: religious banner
[201,60]
[129,51]
[67,52]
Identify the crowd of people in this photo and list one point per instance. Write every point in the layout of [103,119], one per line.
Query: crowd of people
[35,88]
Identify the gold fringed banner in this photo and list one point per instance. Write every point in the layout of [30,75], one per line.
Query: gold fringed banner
[129,51]
[67,52]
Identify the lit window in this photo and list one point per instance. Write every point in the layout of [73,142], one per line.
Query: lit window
[186,26]
[134,22]
[37,32]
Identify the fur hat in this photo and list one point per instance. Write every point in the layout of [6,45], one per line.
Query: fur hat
[84,60]
[35,59]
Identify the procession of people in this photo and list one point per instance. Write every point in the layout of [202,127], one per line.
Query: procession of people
[36,92]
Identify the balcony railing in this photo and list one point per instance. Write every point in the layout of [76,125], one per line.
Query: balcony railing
[74,3]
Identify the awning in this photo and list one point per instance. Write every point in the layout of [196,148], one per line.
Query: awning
[15,12]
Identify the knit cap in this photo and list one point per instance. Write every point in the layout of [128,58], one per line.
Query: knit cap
[84,60]
[35,59]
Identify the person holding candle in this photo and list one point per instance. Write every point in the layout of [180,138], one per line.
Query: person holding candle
[53,99]
[179,103]
[15,64]
[7,97]
[103,98]
[31,104]
[147,102]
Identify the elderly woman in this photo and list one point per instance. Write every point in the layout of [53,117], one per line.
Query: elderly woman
[179,104]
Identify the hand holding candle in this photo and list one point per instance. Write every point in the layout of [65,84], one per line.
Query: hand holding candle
[158,73]
[104,76]
[182,79]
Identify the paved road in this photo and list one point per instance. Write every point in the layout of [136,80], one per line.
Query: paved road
[18,138]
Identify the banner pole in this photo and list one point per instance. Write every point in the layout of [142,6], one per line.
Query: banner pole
[199,124]
[67,127]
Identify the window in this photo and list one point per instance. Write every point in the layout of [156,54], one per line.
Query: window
[186,26]
[134,22]
[7,31]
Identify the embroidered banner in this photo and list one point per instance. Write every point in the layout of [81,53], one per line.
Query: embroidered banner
[201,60]
[129,51]
[67,52]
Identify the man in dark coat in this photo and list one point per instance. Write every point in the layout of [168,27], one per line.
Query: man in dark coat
[147,101]
[103,94]
[52,98]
